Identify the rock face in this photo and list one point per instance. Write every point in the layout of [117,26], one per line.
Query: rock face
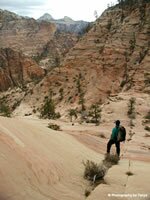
[112,57]
[17,70]
[45,40]
[66,24]
[55,50]
[23,34]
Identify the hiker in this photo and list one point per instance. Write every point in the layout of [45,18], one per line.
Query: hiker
[114,138]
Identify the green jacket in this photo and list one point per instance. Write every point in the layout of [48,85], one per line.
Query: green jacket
[114,134]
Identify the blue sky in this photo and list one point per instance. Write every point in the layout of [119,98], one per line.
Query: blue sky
[76,9]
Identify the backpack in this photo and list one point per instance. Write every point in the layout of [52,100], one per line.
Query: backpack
[121,134]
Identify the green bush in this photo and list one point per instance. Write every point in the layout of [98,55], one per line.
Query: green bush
[95,113]
[5,110]
[131,108]
[72,113]
[48,110]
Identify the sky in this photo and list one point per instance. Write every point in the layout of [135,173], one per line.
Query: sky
[75,9]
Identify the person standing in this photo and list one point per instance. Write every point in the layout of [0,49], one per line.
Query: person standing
[114,139]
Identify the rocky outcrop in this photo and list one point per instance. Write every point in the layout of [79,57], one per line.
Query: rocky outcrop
[17,70]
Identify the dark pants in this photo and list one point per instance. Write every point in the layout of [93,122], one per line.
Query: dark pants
[109,144]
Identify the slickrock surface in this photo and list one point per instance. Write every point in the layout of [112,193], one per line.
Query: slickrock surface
[39,163]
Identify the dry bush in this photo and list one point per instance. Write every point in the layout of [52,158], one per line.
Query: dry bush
[110,159]
[54,126]
[129,173]
[102,135]
[87,193]
[93,171]
[147,128]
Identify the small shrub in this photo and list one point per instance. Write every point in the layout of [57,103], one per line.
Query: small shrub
[147,128]
[34,110]
[123,82]
[131,124]
[93,171]
[131,108]
[110,159]
[102,135]
[129,173]
[87,193]
[147,115]
[95,113]
[72,113]
[48,110]
[16,104]
[61,93]
[5,110]
[54,126]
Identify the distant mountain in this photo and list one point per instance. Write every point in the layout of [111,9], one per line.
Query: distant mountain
[66,24]
[6,15]
[46,17]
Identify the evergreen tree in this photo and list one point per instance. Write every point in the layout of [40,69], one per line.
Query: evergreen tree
[95,113]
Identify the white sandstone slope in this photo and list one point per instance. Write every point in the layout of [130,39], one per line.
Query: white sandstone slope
[39,163]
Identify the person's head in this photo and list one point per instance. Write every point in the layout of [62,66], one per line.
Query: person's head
[117,122]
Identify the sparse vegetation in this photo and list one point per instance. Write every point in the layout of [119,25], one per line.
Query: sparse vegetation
[110,159]
[102,135]
[132,44]
[93,171]
[131,108]
[72,113]
[5,110]
[129,173]
[87,193]
[16,104]
[79,83]
[95,113]
[131,135]
[82,101]
[61,92]
[48,110]
[54,126]
[147,128]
